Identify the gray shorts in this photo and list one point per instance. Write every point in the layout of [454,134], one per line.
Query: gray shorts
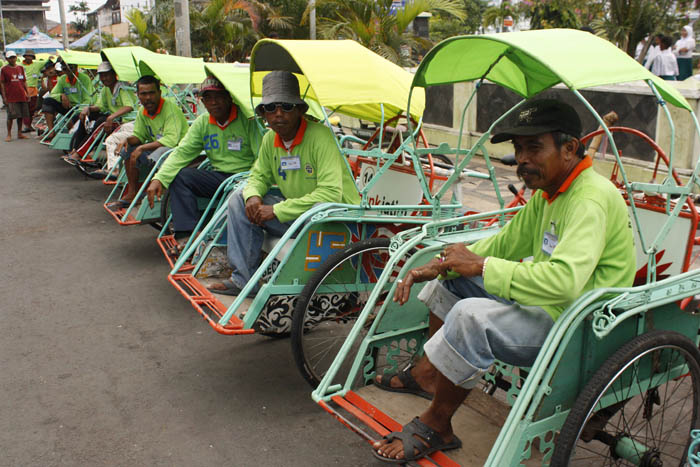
[479,328]
[17,110]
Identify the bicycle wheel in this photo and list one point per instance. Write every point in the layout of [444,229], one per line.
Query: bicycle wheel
[330,303]
[639,407]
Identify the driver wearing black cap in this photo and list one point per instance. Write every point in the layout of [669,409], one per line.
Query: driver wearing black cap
[486,303]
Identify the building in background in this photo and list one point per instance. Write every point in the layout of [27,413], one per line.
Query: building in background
[111,16]
[26,13]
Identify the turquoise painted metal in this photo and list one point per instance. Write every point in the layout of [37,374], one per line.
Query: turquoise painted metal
[601,324]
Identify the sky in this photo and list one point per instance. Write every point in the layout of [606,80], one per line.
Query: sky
[54,15]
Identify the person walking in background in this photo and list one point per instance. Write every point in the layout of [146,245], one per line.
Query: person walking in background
[683,49]
[32,71]
[13,84]
[664,64]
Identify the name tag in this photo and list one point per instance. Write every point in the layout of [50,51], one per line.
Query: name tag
[549,243]
[158,136]
[72,90]
[234,144]
[290,163]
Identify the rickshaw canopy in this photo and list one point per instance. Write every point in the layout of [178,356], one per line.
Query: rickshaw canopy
[82,59]
[341,75]
[124,60]
[531,61]
[172,69]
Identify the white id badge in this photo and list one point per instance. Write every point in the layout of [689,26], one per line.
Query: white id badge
[549,243]
[234,144]
[72,90]
[290,163]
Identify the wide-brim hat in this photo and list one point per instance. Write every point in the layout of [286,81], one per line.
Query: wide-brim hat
[280,87]
[29,53]
[104,67]
[211,84]
[542,116]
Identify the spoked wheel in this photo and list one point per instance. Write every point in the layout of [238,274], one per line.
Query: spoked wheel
[331,302]
[639,407]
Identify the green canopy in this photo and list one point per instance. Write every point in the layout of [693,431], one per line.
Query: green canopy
[82,59]
[123,60]
[532,61]
[236,79]
[172,69]
[340,75]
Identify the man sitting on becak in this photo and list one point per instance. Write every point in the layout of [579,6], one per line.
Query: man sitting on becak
[302,158]
[113,102]
[72,88]
[493,306]
[230,141]
[157,129]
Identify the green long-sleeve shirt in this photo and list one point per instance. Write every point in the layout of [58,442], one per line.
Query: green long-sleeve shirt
[312,171]
[230,148]
[33,72]
[168,126]
[594,246]
[78,91]
[109,103]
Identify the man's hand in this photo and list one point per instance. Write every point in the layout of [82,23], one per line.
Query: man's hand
[155,189]
[109,124]
[251,208]
[424,273]
[266,212]
[83,114]
[136,153]
[65,102]
[457,258]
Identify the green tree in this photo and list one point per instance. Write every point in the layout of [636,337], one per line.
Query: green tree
[443,26]
[140,34]
[546,14]
[80,23]
[627,22]
[12,33]
[494,15]
[107,41]
[381,28]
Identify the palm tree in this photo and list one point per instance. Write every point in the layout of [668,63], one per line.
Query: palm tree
[141,36]
[380,27]
[494,15]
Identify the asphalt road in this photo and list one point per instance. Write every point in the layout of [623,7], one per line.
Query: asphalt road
[103,363]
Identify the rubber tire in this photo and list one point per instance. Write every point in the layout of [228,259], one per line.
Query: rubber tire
[313,377]
[594,389]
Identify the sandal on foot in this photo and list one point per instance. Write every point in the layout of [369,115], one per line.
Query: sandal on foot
[121,204]
[409,384]
[231,288]
[430,442]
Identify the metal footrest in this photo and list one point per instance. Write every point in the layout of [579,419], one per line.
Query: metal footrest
[207,304]
[166,243]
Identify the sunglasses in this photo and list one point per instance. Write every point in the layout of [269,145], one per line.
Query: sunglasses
[269,108]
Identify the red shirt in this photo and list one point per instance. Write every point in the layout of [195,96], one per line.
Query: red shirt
[13,79]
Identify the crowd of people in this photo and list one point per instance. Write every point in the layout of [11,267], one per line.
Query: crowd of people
[668,60]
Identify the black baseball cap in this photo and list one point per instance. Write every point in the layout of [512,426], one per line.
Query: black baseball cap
[542,116]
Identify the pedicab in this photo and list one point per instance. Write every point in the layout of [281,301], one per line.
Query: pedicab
[617,381]
[397,192]
[172,71]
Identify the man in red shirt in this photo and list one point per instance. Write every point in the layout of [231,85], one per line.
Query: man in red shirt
[13,84]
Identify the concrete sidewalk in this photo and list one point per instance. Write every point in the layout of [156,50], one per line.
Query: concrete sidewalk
[103,363]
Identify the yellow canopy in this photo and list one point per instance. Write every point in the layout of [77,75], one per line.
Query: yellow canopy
[172,69]
[341,75]
[236,80]
[124,60]
[82,59]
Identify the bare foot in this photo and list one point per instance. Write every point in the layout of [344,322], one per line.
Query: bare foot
[8,138]
[21,136]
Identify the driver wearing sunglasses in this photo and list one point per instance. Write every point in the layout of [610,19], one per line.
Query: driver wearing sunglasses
[302,158]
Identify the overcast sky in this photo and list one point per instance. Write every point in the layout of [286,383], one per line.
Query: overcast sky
[54,15]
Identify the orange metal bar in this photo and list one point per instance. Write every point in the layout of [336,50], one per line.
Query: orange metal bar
[118,214]
[166,242]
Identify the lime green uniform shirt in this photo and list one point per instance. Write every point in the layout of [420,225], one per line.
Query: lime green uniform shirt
[168,126]
[312,171]
[594,247]
[33,73]
[230,149]
[109,103]
[79,92]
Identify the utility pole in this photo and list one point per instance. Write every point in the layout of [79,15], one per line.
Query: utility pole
[182,28]
[2,22]
[64,28]
[99,29]
[312,20]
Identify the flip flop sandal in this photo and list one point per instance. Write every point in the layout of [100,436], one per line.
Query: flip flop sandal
[121,204]
[231,288]
[430,442]
[409,385]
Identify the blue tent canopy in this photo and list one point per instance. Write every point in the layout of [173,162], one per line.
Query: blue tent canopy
[37,41]
[83,41]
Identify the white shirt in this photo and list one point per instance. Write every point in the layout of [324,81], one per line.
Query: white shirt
[687,43]
[665,64]
[651,54]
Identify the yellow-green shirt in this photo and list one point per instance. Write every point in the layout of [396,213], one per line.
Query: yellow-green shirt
[168,126]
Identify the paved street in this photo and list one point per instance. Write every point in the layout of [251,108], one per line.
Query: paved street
[103,363]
